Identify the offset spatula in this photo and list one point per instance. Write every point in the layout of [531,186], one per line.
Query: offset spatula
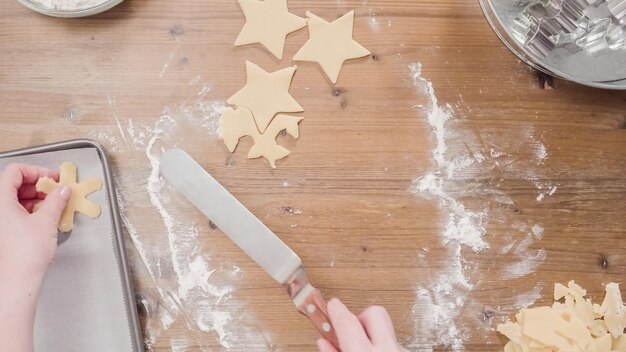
[249,233]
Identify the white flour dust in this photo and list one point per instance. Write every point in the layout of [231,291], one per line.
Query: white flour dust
[527,299]
[373,21]
[467,208]
[526,265]
[440,303]
[70,5]
[200,297]
[167,63]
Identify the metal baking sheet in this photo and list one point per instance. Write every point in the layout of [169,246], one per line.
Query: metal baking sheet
[86,302]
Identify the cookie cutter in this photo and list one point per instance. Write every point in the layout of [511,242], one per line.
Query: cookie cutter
[594,3]
[546,25]
[540,40]
[515,27]
[618,9]
[595,39]
[568,41]
[601,36]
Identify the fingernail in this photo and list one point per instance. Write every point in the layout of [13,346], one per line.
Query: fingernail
[320,343]
[334,301]
[66,193]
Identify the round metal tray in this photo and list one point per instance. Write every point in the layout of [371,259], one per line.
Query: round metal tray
[35,6]
[604,71]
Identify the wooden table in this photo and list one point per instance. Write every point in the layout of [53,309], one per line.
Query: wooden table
[343,199]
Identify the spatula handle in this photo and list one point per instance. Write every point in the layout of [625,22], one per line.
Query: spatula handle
[312,305]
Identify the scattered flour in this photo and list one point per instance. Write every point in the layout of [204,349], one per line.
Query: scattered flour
[445,307]
[526,265]
[373,21]
[201,295]
[541,153]
[440,302]
[463,227]
[179,345]
[545,190]
[168,62]
[538,231]
[527,299]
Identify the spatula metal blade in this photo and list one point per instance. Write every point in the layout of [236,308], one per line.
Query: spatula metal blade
[235,220]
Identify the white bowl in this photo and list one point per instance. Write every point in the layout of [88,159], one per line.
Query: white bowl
[82,12]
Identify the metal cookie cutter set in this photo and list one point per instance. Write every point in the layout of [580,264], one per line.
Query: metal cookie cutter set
[579,40]
[593,25]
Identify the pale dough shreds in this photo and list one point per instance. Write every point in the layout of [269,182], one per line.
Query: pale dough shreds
[268,23]
[78,202]
[235,124]
[266,94]
[331,44]
[573,325]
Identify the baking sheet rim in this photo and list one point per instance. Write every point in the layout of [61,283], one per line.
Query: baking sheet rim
[120,247]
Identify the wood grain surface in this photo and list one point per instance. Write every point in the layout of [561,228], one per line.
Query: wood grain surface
[363,236]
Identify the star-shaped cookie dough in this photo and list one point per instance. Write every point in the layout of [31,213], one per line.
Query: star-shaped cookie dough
[268,22]
[78,202]
[330,44]
[266,94]
[235,124]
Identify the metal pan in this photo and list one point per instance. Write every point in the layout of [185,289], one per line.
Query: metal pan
[87,300]
[581,66]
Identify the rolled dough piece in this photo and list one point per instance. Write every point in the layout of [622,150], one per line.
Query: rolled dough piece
[266,94]
[331,44]
[235,124]
[574,325]
[78,202]
[268,22]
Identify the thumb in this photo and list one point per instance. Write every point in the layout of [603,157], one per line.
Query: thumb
[325,346]
[52,207]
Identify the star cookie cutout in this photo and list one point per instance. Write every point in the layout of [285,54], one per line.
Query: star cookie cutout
[268,23]
[78,202]
[235,124]
[330,44]
[266,94]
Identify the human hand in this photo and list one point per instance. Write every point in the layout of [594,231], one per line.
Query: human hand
[27,241]
[27,245]
[371,331]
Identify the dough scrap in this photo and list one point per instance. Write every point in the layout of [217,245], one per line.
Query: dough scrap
[78,202]
[331,44]
[235,124]
[268,23]
[614,310]
[266,94]
[574,325]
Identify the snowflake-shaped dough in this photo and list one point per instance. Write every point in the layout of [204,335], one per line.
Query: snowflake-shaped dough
[78,202]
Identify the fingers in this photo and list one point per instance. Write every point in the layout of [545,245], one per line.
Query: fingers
[352,337]
[379,327]
[27,191]
[28,197]
[52,207]
[15,175]
[325,346]
[29,204]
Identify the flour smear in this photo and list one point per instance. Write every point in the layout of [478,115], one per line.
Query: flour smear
[200,298]
[466,210]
